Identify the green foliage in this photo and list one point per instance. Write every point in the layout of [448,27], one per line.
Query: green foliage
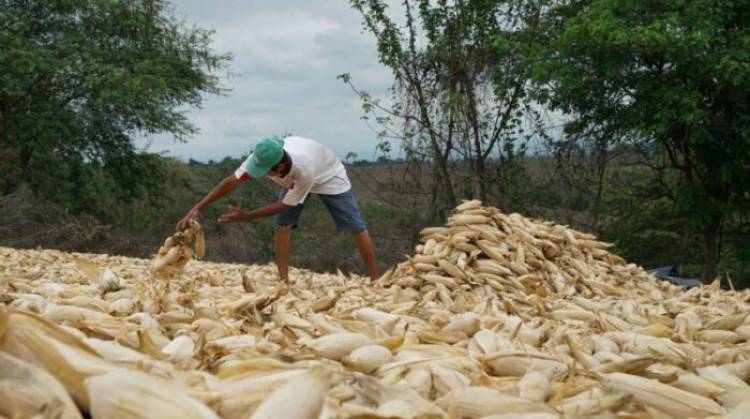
[671,80]
[654,232]
[79,79]
[650,231]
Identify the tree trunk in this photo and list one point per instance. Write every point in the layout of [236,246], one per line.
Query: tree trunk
[601,167]
[710,246]
[442,164]
[481,174]
[472,116]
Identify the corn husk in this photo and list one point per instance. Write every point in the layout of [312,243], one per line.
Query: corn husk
[480,401]
[27,390]
[446,380]
[420,380]
[493,314]
[108,282]
[380,394]
[741,411]
[517,363]
[35,340]
[338,345]
[531,415]
[368,358]
[179,248]
[534,386]
[591,403]
[130,394]
[467,323]
[240,395]
[669,399]
[396,409]
[301,398]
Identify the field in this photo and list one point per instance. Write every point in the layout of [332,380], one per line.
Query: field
[533,162]
[492,315]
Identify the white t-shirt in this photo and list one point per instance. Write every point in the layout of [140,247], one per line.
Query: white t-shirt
[315,169]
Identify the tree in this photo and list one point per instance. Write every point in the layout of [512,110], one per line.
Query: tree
[672,81]
[458,104]
[80,78]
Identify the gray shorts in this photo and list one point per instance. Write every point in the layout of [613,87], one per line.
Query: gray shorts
[342,207]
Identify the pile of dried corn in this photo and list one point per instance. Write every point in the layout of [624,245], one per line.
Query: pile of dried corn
[179,248]
[494,316]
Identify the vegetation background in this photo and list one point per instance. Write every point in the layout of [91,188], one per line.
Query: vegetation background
[630,120]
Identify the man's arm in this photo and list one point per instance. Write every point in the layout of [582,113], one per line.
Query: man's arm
[223,188]
[238,214]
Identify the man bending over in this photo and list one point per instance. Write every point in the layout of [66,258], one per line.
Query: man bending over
[302,167]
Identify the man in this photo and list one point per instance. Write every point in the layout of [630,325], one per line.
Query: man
[302,167]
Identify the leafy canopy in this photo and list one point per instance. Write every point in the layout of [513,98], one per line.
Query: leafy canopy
[79,79]
[669,78]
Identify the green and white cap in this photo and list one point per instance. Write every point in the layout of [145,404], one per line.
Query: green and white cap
[267,154]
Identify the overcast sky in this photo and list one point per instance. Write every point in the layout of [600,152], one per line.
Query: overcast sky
[287,54]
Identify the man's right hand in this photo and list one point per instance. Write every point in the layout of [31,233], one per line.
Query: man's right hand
[222,189]
[183,223]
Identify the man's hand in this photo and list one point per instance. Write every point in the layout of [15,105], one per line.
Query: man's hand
[183,223]
[235,214]
[223,188]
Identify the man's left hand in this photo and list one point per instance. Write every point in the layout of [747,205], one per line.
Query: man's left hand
[235,214]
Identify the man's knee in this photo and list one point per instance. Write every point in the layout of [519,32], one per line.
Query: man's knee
[283,231]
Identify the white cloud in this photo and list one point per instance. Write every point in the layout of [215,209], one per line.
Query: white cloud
[287,54]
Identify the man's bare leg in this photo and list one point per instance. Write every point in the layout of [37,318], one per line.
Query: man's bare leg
[283,248]
[367,251]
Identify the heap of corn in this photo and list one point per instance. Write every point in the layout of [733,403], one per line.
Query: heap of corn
[495,316]
[179,248]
